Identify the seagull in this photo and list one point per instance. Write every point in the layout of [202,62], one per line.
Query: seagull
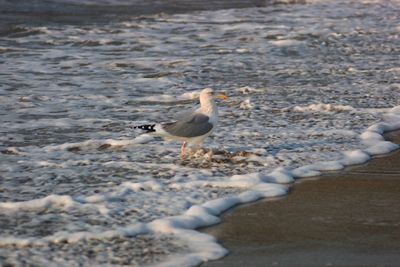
[193,127]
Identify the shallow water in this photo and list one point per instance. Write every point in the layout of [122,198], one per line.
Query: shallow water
[304,80]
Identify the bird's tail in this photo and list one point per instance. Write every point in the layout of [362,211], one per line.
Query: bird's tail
[149,128]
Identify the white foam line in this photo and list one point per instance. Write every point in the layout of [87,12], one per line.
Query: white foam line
[322,107]
[139,228]
[206,247]
[63,201]
[372,138]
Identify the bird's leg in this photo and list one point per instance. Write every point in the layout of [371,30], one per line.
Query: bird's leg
[183,149]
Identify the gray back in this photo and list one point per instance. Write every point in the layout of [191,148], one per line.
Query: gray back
[191,126]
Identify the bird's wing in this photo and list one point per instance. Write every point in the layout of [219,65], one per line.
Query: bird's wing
[196,124]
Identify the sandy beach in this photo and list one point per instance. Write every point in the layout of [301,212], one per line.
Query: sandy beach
[346,218]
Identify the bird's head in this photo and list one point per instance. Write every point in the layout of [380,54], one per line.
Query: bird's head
[208,93]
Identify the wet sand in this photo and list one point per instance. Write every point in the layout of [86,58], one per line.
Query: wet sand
[347,218]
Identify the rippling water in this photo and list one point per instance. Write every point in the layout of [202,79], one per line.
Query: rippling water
[80,187]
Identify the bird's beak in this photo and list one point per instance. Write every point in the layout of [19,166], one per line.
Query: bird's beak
[222,96]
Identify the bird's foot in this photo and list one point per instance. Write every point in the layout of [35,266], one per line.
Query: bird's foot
[183,150]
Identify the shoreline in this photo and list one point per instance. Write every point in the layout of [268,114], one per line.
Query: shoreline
[343,218]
